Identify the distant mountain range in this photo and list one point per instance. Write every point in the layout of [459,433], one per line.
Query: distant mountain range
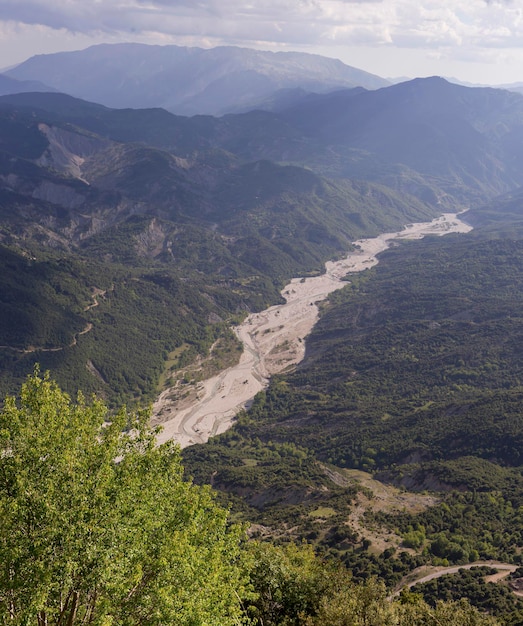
[11,85]
[132,239]
[218,212]
[190,81]
[517,87]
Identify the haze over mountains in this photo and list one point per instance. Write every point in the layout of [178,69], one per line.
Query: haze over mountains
[190,81]
[232,206]
[11,85]
[132,238]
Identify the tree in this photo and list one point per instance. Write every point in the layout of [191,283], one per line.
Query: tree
[289,582]
[366,604]
[98,527]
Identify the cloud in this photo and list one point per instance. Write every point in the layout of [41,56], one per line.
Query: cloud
[429,24]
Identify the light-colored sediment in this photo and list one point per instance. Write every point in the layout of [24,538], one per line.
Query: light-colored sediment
[274,340]
[425,573]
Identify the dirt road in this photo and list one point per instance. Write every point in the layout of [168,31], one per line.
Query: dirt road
[419,575]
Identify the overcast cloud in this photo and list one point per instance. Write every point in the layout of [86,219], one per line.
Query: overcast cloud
[388,37]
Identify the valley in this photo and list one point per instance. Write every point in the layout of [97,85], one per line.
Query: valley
[412,375]
[359,419]
[273,340]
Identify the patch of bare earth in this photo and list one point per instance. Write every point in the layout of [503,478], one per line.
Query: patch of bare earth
[499,575]
[378,497]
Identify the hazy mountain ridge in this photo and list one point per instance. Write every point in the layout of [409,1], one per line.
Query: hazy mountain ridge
[187,81]
[131,239]
[11,85]
[459,137]
[231,231]
[446,144]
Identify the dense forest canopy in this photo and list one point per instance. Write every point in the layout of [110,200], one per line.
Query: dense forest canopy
[413,374]
[130,241]
[99,528]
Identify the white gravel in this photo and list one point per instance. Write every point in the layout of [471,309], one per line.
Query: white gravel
[275,340]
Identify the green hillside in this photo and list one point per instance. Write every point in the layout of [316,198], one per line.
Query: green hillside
[85,539]
[131,240]
[177,247]
[413,375]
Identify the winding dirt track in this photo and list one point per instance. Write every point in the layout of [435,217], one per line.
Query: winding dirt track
[87,329]
[273,341]
[504,569]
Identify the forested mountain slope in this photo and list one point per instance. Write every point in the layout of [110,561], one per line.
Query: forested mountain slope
[413,375]
[145,252]
[230,207]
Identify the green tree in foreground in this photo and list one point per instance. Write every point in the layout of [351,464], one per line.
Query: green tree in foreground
[366,604]
[98,527]
[293,587]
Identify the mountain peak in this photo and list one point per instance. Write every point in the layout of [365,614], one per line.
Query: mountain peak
[188,81]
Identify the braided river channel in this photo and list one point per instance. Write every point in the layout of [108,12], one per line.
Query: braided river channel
[274,340]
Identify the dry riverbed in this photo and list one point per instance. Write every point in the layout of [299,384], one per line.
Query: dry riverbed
[273,341]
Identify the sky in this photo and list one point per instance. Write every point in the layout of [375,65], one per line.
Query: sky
[475,41]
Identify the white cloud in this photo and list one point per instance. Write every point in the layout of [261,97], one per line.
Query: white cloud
[409,23]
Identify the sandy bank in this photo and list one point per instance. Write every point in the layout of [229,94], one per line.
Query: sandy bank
[274,340]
